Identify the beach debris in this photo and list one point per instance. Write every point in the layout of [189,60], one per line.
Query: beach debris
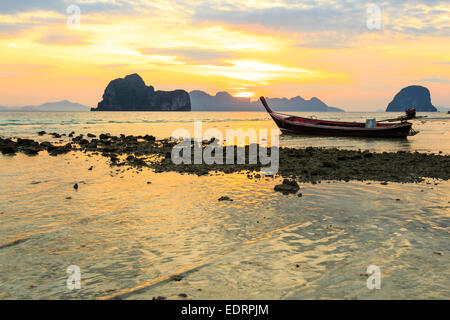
[13,243]
[104,136]
[177,277]
[439,253]
[8,148]
[364,274]
[225,198]
[75,186]
[159,298]
[149,138]
[287,187]
[35,182]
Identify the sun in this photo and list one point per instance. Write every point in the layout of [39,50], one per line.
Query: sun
[245,94]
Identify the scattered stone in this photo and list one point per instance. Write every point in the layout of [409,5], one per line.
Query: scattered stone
[397,199]
[177,277]
[439,253]
[41,133]
[183,295]
[68,198]
[225,198]
[288,186]
[384,183]
[305,165]
[149,182]
[90,135]
[90,168]
[300,195]
[363,274]
[75,186]
[104,136]
[9,150]
[159,298]
[149,138]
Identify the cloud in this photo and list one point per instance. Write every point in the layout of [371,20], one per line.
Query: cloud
[346,17]
[25,66]
[192,55]
[86,6]
[9,30]
[312,23]
[434,79]
[63,38]
[8,7]
[114,66]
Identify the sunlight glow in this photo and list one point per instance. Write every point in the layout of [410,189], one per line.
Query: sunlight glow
[244,94]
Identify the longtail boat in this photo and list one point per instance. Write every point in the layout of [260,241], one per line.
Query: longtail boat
[307,126]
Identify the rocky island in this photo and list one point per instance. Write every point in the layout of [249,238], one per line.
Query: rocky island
[223,101]
[132,94]
[417,97]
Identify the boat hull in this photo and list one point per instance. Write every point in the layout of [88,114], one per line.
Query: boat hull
[337,129]
[315,127]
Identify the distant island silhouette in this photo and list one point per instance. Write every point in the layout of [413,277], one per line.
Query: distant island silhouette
[417,97]
[63,105]
[132,94]
[223,101]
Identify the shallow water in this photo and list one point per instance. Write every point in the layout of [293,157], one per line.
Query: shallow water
[434,133]
[129,237]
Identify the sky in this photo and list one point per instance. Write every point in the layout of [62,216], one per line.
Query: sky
[351,54]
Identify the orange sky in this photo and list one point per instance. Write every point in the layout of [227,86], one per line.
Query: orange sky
[248,48]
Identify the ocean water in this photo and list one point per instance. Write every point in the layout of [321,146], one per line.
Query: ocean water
[129,237]
[434,133]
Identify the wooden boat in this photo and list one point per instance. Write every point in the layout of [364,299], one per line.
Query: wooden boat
[306,126]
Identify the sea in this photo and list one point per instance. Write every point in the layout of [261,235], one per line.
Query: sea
[136,234]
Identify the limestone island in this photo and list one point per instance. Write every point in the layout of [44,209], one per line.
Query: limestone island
[132,94]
